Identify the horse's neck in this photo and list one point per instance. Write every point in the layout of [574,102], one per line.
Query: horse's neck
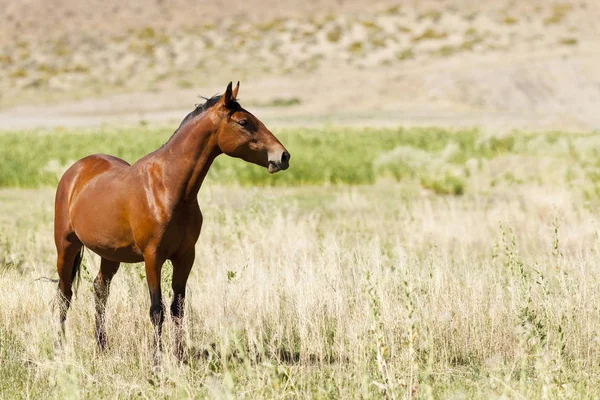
[187,158]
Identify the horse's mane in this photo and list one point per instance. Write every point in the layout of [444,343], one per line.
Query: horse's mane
[201,108]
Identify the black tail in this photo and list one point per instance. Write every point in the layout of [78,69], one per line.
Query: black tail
[76,272]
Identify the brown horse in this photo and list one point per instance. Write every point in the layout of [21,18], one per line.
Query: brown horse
[149,211]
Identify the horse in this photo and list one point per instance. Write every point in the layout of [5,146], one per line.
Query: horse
[149,211]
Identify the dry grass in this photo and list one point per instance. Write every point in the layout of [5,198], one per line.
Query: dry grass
[327,292]
[384,289]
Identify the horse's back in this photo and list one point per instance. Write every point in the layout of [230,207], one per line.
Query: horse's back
[91,166]
[88,168]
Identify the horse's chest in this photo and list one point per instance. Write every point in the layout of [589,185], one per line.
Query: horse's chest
[182,231]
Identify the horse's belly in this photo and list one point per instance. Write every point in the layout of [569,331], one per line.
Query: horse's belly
[124,254]
[103,227]
[108,241]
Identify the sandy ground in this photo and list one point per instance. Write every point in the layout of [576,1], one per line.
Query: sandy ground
[498,65]
[534,94]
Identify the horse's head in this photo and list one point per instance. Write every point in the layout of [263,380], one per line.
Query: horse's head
[240,134]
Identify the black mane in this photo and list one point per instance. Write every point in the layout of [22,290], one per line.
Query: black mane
[201,108]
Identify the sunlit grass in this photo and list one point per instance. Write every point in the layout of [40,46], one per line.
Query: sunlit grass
[397,262]
[437,158]
[336,292]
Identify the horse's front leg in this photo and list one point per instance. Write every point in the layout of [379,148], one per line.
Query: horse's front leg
[157,313]
[181,271]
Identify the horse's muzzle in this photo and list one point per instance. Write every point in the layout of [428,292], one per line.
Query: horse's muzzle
[281,164]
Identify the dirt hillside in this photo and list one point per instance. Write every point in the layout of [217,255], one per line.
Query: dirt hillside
[502,64]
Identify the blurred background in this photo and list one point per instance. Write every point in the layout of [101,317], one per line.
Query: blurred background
[500,64]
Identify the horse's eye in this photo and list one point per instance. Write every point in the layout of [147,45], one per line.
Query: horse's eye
[242,122]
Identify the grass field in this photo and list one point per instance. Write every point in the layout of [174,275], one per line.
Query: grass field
[390,263]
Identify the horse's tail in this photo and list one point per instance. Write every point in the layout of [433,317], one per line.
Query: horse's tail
[76,272]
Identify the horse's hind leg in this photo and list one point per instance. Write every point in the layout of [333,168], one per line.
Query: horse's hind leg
[68,248]
[108,269]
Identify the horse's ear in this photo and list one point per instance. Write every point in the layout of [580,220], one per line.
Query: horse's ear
[227,96]
[235,91]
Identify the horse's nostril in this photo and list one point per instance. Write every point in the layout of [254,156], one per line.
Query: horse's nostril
[285,157]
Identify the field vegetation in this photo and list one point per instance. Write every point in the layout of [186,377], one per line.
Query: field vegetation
[388,262]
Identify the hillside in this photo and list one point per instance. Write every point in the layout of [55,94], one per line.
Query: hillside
[500,64]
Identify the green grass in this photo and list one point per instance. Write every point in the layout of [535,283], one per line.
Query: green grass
[31,159]
[434,157]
